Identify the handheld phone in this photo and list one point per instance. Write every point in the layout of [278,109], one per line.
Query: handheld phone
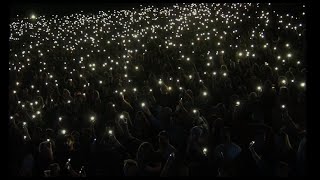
[205,150]
[94,141]
[47,173]
[251,144]
[68,164]
[81,170]
[172,154]
[63,131]
[110,132]
[92,118]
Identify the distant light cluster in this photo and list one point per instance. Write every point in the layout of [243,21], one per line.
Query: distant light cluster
[234,31]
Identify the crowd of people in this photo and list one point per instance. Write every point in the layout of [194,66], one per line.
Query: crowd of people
[184,90]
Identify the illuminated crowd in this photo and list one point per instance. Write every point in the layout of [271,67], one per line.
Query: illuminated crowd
[183,90]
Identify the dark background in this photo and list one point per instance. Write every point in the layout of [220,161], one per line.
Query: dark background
[25,9]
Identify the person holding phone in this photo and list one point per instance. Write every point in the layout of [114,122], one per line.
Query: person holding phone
[268,162]
[130,168]
[70,157]
[168,164]
[142,126]
[228,150]
[149,161]
[45,157]
[165,148]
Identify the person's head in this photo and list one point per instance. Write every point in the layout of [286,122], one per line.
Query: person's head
[220,109]
[252,96]
[25,92]
[45,151]
[195,133]
[163,138]
[130,167]
[40,100]
[163,89]
[234,98]
[289,75]
[110,78]
[151,76]
[227,170]
[78,97]
[54,169]
[44,76]
[282,169]
[217,125]
[292,70]
[69,142]
[75,135]
[223,68]
[140,120]
[50,133]
[283,92]
[69,82]
[144,152]
[140,115]
[38,132]
[228,83]
[56,91]
[268,71]
[255,67]
[241,90]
